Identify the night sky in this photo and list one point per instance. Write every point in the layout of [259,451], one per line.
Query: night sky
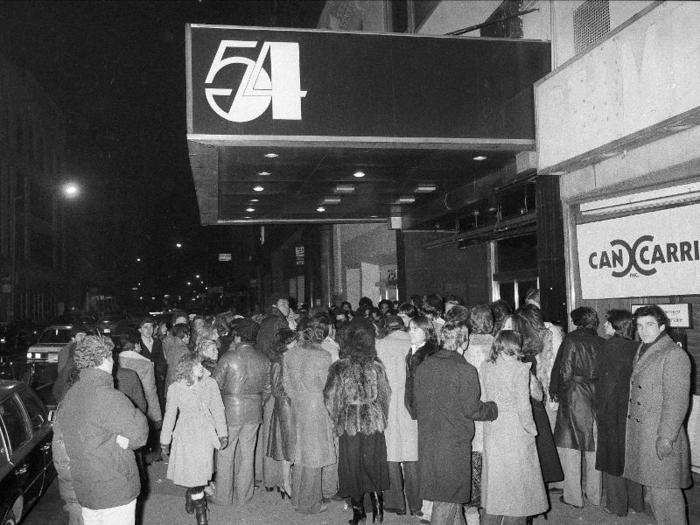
[117,71]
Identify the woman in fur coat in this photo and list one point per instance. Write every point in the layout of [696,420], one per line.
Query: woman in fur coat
[357,397]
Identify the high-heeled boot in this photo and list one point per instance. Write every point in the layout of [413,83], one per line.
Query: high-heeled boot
[200,508]
[358,511]
[377,499]
[189,505]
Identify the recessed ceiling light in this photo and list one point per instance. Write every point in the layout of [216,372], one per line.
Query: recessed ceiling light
[374,216]
[320,209]
[479,158]
[258,188]
[344,188]
[264,173]
[247,217]
[250,210]
[426,188]
[406,200]
[331,200]
[254,200]
[271,155]
[358,174]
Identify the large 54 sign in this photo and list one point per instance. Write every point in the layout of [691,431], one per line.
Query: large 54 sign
[282,87]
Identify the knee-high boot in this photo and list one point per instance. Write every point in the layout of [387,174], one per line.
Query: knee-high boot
[200,508]
[189,505]
[358,510]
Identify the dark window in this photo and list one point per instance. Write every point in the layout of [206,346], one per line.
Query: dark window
[41,249]
[41,201]
[516,253]
[507,292]
[399,16]
[35,409]
[504,22]
[15,424]
[55,335]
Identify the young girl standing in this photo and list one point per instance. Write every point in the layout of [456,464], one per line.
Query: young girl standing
[195,423]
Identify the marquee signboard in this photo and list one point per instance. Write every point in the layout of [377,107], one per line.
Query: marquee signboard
[644,255]
[248,82]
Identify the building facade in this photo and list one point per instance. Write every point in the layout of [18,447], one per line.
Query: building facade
[32,246]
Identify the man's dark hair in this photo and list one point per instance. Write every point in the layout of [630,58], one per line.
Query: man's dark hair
[358,340]
[655,311]
[584,317]
[621,321]
[180,330]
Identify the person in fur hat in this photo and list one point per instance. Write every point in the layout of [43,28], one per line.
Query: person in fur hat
[357,397]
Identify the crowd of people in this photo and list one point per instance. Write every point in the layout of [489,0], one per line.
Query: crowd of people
[432,408]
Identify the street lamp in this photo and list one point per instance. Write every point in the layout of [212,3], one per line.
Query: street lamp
[178,245]
[138,259]
[71,190]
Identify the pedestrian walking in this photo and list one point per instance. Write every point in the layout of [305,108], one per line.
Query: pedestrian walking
[614,365]
[656,444]
[243,376]
[401,431]
[447,396]
[511,483]
[100,429]
[572,385]
[304,375]
[357,396]
[195,425]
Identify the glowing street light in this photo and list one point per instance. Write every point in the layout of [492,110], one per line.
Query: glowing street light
[178,245]
[71,190]
[138,259]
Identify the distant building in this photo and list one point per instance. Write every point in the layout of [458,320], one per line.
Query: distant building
[32,233]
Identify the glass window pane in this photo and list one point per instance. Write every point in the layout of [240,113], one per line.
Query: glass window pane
[507,292]
[35,409]
[13,417]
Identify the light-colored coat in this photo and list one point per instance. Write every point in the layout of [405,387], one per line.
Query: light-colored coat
[476,354]
[194,421]
[401,431]
[511,479]
[659,397]
[144,368]
[304,375]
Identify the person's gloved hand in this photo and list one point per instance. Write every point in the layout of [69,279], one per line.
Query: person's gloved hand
[165,449]
[223,441]
[664,448]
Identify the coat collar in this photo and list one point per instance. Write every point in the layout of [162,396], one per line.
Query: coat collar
[656,347]
[96,377]
[130,354]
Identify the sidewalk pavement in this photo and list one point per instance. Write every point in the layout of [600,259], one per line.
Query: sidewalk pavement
[165,505]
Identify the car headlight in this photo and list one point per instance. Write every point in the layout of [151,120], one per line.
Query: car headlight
[29,355]
[37,356]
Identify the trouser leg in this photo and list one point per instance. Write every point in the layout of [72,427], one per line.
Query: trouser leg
[571,465]
[614,494]
[410,485]
[593,479]
[668,506]
[635,495]
[225,461]
[393,497]
[490,519]
[514,520]
[307,488]
[244,459]
[445,513]
[329,480]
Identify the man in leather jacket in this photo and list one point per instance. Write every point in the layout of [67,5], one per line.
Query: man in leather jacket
[572,384]
[243,375]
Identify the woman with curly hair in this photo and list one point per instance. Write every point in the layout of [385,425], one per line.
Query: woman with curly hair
[195,423]
[304,373]
[208,352]
[357,397]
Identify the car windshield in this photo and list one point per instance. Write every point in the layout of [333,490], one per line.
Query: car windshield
[54,336]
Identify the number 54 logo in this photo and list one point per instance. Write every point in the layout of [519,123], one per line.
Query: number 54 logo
[282,87]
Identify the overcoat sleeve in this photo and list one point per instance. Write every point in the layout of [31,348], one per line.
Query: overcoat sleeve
[676,393]
[166,431]
[149,388]
[521,391]
[561,370]
[470,397]
[124,419]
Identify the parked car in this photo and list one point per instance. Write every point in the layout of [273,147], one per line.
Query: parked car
[42,357]
[26,463]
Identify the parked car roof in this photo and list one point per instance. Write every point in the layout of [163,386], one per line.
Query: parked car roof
[9,387]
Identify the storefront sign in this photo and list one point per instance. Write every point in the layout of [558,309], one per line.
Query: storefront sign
[644,255]
[678,314]
[299,255]
[273,83]
[225,257]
